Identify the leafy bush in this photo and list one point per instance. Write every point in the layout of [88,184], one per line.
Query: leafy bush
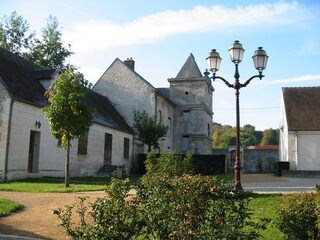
[169,204]
[168,164]
[299,216]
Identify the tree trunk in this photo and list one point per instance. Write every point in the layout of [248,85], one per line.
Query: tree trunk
[66,169]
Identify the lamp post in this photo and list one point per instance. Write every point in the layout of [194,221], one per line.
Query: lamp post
[260,60]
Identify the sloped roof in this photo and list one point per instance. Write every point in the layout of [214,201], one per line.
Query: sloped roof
[190,69]
[302,107]
[105,113]
[21,78]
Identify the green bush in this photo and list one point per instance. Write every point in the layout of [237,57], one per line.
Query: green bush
[169,204]
[299,216]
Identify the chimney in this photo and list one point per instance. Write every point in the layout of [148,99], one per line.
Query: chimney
[129,63]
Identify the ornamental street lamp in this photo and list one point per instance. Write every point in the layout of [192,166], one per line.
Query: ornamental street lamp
[260,60]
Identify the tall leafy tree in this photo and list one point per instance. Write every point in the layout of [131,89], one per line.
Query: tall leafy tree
[49,52]
[270,137]
[148,130]
[14,34]
[68,115]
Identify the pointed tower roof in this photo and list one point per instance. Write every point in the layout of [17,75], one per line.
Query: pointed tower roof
[190,69]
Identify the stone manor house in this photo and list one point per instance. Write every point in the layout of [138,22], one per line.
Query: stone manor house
[28,150]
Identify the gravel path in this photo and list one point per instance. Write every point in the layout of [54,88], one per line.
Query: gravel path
[36,219]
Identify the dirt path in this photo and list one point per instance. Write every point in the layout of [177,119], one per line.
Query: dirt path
[36,218]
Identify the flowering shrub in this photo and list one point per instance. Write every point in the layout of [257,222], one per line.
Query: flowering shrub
[169,204]
[299,216]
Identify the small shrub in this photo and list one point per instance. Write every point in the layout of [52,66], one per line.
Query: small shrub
[299,216]
[170,204]
[317,188]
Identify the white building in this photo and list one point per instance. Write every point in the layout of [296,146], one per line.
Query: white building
[300,128]
[28,150]
[26,146]
[186,106]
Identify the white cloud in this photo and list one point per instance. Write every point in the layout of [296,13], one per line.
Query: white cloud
[95,35]
[303,78]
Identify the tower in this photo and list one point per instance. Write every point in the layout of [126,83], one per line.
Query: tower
[192,94]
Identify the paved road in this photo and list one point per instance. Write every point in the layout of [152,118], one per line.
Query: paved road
[282,185]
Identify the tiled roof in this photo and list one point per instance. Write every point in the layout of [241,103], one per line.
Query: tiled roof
[22,79]
[105,113]
[190,69]
[302,107]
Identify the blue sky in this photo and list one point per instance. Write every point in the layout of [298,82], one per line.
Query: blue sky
[160,35]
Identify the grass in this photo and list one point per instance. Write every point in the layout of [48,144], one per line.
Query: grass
[51,184]
[266,206]
[7,206]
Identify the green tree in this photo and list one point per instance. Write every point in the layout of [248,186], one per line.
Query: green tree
[68,115]
[49,52]
[148,130]
[14,33]
[270,137]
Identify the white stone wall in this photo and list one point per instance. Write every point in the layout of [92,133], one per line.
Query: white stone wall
[167,110]
[126,90]
[308,150]
[4,121]
[193,115]
[129,92]
[52,157]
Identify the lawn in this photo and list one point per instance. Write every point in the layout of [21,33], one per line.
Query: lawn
[77,184]
[7,206]
[266,206]
[54,185]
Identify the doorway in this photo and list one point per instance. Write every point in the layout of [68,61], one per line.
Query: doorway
[34,151]
[107,148]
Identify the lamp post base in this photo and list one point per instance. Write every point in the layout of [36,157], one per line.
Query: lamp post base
[238,187]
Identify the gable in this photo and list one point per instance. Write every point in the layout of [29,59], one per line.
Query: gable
[302,108]
[21,78]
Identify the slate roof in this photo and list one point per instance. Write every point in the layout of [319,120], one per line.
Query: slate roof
[165,92]
[190,69]
[302,108]
[105,113]
[22,79]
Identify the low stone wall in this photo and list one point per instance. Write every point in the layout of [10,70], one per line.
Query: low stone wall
[254,160]
[260,160]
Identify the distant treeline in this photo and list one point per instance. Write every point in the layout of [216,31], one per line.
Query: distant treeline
[223,135]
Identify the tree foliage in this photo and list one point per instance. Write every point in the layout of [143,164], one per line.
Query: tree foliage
[14,33]
[49,52]
[249,136]
[148,130]
[68,115]
[270,137]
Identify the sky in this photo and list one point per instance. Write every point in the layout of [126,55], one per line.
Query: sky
[160,35]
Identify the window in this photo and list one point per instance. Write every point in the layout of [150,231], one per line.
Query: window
[160,116]
[126,148]
[83,144]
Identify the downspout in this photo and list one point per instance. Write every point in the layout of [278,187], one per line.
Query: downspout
[8,142]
